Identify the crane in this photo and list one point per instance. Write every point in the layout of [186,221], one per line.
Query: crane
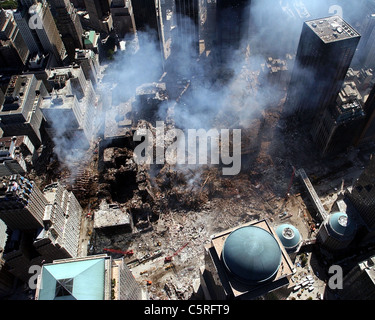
[127,252]
[169,258]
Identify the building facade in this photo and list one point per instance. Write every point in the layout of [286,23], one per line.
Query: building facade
[359,283]
[47,32]
[339,126]
[20,113]
[13,49]
[72,103]
[324,54]
[42,226]
[69,25]
[362,195]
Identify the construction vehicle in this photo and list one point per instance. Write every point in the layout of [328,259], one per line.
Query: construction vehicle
[149,282]
[170,266]
[169,258]
[126,253]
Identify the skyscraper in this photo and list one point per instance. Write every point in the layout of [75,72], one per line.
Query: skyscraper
[232,24]
[20,113]
[13,49]
[324,54]
[123,18]
[368,129]
[145,14]
[47,31]
[100,15]
[339,126]
[362,195]
[69,26]
[365,56]
[22,17]
[43,226]
[187,21]
[21,204]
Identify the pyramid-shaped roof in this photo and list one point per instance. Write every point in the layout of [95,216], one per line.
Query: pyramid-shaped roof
[75,280]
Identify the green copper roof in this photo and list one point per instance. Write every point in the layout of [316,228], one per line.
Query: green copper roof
[90,39]
[288,235]
[341,224]
[251,254]
[76,280]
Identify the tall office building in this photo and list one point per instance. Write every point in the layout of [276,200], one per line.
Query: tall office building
[69,26]
[358,283]
[20,113]
[21,16]
[13,49]
[145,14]
[324,54]
[100,15]
[339,126]
[123,18]
[187,22]
[71,107]
[22,204]
[368,129]
[88,60]
[233,25]
[47,31]
[43,226]
[365,55]
[62,220]
[362,195]
[165,17]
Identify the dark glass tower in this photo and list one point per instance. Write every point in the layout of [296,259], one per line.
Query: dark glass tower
[324,54]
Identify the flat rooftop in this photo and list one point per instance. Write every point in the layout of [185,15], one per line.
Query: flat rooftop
[117,121]
[110,215]
[332,29]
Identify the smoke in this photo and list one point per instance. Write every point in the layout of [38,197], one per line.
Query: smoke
[219,95]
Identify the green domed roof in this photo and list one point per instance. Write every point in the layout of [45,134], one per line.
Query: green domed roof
[341,224]
[288,235]
[252,254]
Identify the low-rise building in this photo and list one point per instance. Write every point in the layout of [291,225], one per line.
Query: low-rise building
[97,277]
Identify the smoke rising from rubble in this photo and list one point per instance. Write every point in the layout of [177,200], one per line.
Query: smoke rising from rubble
[274,31]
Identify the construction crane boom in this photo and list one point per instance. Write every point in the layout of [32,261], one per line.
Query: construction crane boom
[169,258]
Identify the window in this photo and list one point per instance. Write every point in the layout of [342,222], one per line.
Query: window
[64,287]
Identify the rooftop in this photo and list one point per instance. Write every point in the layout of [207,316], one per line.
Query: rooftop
[332,29]
[15,94]
[289,235]
[341,224]
[117,120]
[282,268]
[252,254]
[74,279]
[110,215]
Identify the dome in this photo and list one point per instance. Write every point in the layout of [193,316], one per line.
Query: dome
[251,254]
[288,235]
[341,224]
